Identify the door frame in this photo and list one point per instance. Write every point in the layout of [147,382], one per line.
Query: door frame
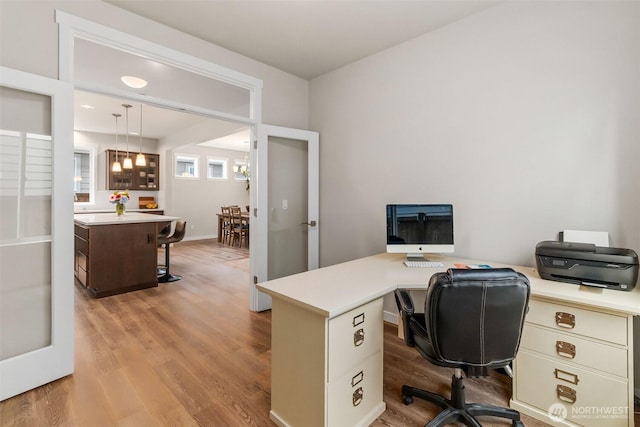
[259,250]
[72,27]
[35,368]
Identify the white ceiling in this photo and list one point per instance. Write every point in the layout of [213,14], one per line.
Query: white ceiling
[304,38]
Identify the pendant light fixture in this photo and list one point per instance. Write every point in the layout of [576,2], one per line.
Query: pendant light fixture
[140,160]
[116,167]
[128,164]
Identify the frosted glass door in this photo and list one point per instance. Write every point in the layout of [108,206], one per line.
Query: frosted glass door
[287,207]
[36,228]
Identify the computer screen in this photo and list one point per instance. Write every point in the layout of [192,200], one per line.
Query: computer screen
[417,229]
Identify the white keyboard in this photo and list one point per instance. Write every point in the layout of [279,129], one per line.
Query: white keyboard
[423,264]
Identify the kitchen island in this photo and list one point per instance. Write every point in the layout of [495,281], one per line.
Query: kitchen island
[116,254]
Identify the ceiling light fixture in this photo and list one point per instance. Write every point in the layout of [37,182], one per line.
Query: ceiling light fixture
[87,106]
[134,82]
[140,160]
[128,164]
[116,167]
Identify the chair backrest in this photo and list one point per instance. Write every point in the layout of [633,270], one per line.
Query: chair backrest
[475,317]
[236,215]
[179,231]
[226,214]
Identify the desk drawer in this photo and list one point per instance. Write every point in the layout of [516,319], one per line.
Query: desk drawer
[354,395]
[596,400]
[354,336]
[571,348]
[602,326]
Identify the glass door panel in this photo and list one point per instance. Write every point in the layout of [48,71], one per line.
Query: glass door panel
[288,201]
[36,211]
[284,230]
[25,208]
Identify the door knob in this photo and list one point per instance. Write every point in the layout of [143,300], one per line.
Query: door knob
[310,223]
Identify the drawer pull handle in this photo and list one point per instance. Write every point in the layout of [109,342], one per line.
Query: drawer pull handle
[565,349]
[566,376]
[565,320]
[358,337]
[357,378]
[357,396]
[566,394]
[358,319]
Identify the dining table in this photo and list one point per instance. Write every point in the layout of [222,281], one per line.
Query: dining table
[245,218]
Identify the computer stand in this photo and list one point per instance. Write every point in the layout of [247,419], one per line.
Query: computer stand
[417,257]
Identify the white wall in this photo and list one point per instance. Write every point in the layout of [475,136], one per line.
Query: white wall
[198,200]
[525,117]
[29,42]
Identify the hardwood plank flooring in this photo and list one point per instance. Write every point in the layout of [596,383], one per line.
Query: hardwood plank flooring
[191,353]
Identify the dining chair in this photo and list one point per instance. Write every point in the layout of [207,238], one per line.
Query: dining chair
[226,224]
[239,228]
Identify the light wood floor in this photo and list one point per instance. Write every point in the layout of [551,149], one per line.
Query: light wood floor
[191,353]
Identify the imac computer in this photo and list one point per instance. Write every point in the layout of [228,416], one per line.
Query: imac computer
[419,229]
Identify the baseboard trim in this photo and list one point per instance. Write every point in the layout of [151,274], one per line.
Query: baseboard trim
[205,237]
[391,317]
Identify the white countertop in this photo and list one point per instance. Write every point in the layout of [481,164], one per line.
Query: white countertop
[331,291]
[112,218]
[95,211]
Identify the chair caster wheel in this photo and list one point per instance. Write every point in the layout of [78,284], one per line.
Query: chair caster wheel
[407,400]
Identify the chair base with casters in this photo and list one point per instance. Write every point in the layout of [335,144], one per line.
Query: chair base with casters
[164,274]
[456,408]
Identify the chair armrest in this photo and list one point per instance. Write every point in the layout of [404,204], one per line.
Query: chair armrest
[406,313]
[404,301]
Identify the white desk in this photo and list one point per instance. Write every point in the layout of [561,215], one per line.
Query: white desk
[320,377]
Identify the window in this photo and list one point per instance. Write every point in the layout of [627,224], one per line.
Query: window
[81,176]
[186,166]
[26,182]
[216,168]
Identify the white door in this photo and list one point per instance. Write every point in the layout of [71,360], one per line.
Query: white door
[284,222]
[36,231]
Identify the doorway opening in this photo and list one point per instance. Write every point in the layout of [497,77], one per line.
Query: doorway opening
[220,97]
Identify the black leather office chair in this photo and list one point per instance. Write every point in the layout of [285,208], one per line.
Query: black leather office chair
[166,240]
[473,322]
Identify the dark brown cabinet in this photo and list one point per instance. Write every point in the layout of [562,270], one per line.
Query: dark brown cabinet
[144,178]
[118,258]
